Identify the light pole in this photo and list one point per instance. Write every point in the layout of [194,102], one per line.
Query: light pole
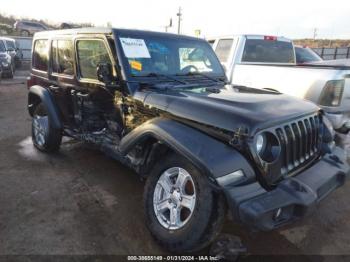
[179,14]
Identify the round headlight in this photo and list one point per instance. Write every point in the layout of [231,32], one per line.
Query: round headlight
[267,146]
[260,143]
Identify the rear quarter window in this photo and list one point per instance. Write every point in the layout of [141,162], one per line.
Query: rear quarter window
[40,59]
[268,51]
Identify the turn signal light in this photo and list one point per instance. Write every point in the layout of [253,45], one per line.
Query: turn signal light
[332,93]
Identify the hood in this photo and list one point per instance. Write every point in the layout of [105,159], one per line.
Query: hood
[230,109]
[4,56]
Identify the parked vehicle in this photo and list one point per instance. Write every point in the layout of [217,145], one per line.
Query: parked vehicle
[6,60]
[12,48]
[158,103]
[5,29]
[305,55]
[268,62]
[28,28]
[68,26]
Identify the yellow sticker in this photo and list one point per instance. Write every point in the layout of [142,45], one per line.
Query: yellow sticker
[136,65]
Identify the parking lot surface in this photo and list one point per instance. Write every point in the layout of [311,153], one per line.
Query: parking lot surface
[79,201]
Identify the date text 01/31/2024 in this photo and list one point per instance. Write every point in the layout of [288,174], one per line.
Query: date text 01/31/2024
[173,258]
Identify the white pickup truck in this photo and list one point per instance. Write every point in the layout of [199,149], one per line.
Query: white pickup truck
[268,62]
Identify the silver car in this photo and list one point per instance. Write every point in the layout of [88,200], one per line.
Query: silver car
[28,28]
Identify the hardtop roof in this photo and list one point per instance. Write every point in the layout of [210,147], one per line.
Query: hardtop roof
[108,31]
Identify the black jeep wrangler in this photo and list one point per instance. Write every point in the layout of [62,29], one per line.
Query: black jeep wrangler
[159,103]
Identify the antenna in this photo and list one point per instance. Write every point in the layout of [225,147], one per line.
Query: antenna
[315,33]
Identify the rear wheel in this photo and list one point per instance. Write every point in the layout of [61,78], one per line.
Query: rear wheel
[182,211]
[24,33]
[44,136]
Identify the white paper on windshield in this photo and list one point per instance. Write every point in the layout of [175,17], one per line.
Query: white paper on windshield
[134,48]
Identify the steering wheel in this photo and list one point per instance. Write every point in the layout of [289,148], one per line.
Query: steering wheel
[187,69]
[96,59]
[207,63]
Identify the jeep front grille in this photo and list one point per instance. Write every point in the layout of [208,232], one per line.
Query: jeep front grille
[300,142]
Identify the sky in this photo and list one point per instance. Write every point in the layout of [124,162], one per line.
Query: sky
[292,19]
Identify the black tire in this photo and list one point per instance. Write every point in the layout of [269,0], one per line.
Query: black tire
[25,33]
[206,220]
[53,136]
[11,73]
[18,63]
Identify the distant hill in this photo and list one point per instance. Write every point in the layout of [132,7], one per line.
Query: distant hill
[322,42]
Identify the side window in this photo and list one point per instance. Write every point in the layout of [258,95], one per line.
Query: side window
[40,55]
[62,57]
[223,49]
[90,54]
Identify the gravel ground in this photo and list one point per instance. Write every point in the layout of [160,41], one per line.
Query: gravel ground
[80,202]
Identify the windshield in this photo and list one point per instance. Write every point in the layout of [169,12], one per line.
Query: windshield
[162,55]
[2,46]
[10,44]
[306,55]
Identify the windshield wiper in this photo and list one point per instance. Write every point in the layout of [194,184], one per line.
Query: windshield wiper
[165,76]
[202,74]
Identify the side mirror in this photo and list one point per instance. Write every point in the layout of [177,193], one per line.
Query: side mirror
[104,73]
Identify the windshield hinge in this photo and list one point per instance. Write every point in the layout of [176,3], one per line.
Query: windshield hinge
[239,136]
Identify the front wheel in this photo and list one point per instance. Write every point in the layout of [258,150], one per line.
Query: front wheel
[11,73]
[182,211]
[44,136]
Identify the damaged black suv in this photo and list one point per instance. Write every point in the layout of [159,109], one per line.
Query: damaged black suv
[159,103]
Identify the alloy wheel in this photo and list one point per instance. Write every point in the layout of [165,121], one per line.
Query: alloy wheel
[174,198]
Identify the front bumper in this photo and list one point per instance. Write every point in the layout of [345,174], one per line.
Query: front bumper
[6,68]
[340,120]
[292,198]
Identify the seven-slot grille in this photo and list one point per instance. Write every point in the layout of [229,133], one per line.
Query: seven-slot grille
[299,141]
